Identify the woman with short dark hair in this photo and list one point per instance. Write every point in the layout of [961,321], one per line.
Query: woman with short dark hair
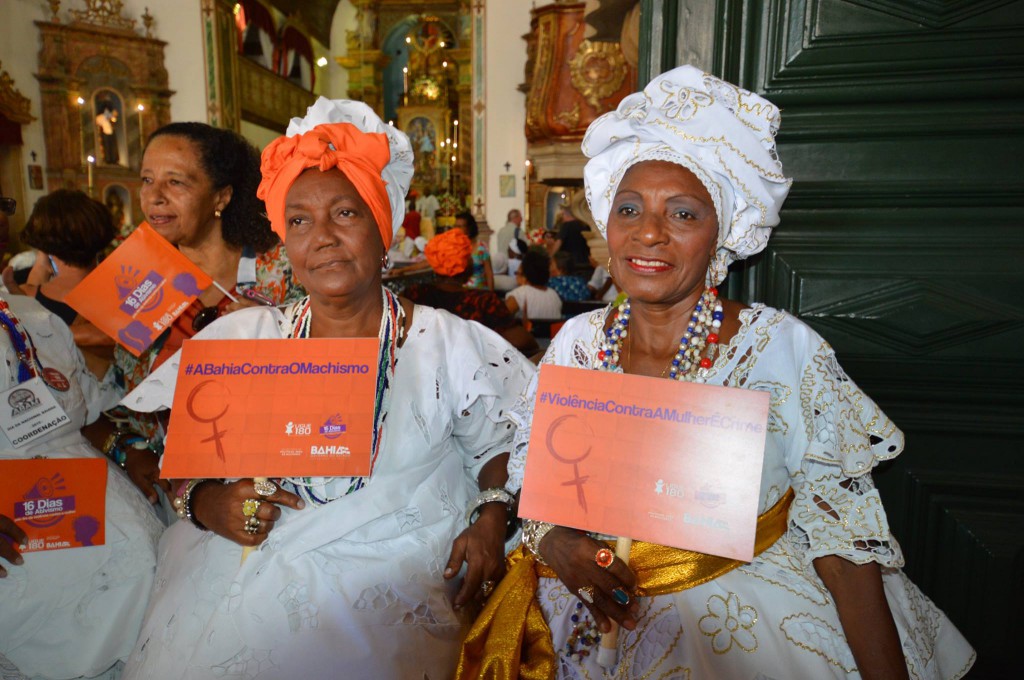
[533,299]
[199,192]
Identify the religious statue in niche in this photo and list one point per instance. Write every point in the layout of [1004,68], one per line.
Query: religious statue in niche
[109,131]
[423,137]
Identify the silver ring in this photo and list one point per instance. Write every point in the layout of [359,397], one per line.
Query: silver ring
[252,526]
[487,587]
[264,487]
[586,594]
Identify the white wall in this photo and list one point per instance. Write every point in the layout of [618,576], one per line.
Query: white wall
[179,24]
[505,53]
[337,77]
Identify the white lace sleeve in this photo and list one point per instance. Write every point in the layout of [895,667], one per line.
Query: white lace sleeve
[489,375]
[837,509]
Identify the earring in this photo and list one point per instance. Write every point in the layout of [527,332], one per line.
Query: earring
[609,264]
[216,213]
[385,262]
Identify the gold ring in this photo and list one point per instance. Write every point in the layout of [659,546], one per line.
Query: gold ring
[250,506]
[586,594]
[264,487]
[604,558]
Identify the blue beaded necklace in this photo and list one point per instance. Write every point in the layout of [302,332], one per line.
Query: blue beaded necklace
[687,364]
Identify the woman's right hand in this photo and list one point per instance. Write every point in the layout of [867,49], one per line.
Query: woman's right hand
[143,468]
[572,555]
[219,508]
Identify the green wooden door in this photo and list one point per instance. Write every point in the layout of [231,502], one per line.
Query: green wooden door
[902,242]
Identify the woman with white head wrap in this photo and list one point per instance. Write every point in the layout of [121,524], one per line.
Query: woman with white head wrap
[682,180]
[353,577]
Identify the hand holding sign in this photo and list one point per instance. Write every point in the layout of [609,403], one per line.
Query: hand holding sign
[221,509]
[11,535]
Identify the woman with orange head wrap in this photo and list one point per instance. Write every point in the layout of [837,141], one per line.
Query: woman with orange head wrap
[450,255]
[354,577]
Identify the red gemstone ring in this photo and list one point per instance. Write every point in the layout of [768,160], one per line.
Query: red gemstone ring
[604,558]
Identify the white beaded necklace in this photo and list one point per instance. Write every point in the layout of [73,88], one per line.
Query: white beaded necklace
[701,332]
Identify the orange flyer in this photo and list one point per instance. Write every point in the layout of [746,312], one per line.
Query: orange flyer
[139,290]
[58,502]
[273,408]
[671,463]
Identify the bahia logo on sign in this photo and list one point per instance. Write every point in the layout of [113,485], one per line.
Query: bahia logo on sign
[709,495]
[22,400]
[670,490]
[334,427]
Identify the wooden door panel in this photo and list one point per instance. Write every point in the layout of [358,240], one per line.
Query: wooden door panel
[902,244]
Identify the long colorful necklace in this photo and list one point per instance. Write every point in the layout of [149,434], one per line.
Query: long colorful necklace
[392,328]
[28,362]
[687,364]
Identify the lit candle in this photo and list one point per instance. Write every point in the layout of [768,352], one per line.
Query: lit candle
[405,82]
[140,108]
[81,127]
[90,161]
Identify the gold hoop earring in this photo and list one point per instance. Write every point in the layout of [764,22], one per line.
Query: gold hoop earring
[609,264]
[385,262]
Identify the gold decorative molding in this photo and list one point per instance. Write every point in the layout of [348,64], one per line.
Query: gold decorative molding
[13,104]
[597,71]
[570,118]
[106,13]
[269,100]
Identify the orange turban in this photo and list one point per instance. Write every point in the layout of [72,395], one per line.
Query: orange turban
[449,253]
[362,156]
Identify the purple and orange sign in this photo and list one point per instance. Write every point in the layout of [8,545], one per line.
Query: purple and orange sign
[677,464]
[139,290]
[58,502]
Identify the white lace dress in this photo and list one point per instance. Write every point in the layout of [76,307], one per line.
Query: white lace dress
[772,618]
[74,613]
[354,588]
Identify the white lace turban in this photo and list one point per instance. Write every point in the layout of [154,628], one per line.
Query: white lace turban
[397,174]
[725,135]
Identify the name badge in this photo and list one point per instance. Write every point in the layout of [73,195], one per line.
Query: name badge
[29,412]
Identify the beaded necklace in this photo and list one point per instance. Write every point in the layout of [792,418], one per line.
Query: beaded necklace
[28,363]
[392,328]
[687,364]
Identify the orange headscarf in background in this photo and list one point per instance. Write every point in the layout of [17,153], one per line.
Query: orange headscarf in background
[362,156]
[449,253]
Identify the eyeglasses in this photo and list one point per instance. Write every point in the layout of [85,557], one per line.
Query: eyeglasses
[205,317]
[8,205]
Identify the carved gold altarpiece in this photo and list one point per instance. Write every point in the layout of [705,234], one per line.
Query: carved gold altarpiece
[98,64]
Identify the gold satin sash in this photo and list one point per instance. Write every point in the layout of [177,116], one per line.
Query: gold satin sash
[510,639]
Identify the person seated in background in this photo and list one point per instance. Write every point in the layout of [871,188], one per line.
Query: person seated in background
[532,299]
[69,232]
[482,275]
[69,613]
[570,288]
[601,285]
[411,223]
[7,207]
[570,238]
[449,255]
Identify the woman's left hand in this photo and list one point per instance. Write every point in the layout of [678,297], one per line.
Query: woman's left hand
[482,547]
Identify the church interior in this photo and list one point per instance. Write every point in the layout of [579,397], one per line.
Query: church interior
[900,243]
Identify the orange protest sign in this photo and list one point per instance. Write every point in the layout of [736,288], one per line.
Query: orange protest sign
[672,463]
[139,290]
[58,502]
[272,408]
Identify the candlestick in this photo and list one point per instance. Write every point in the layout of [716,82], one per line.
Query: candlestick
[142,135]
[90,160]
[405,83]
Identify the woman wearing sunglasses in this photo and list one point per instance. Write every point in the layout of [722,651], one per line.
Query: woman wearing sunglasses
[199,192]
